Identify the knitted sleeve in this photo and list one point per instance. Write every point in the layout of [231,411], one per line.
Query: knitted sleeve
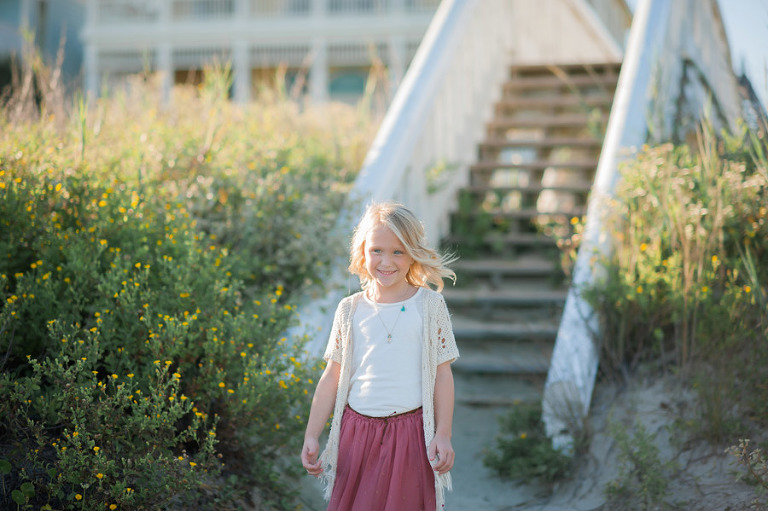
[447,351]
[337,350]
[333,349]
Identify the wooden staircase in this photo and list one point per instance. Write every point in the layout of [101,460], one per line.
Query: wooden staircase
[533,175]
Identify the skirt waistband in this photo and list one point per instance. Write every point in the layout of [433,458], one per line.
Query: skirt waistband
[386,418]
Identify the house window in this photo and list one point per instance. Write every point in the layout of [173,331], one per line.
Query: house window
[356,6]
[347,83]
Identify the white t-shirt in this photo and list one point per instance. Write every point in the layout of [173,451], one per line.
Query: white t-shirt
[386,376]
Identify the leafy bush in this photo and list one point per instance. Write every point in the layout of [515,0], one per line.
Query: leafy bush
[643,479]
[756,466]
[523,450]
[686,284]
[150,257]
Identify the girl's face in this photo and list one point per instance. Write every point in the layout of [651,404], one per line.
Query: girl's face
[386,261]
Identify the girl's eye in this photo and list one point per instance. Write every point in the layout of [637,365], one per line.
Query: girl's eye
[376,251]
[398,252]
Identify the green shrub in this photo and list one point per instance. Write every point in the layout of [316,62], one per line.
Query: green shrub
[643,479]
[150,258]
[686,283]
[523,450]
[755,465]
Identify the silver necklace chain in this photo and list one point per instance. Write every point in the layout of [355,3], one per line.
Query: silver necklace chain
[389,332]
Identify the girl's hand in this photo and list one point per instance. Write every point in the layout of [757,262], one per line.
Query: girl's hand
[441,454]
[309,457]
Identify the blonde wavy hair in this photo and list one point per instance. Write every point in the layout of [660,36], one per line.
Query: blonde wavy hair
[429,267]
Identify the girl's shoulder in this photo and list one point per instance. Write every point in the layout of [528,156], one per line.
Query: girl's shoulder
[348,301]
[431,297]
[431,294]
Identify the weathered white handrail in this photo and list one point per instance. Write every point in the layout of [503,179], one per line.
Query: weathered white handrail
[665,35]
[439,112]
[615,16]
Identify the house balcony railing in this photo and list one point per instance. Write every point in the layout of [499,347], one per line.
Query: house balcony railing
[128,36]
[146,11]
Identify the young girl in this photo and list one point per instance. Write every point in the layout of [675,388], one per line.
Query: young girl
[388,379]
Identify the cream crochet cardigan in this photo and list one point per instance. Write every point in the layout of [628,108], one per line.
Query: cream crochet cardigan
[439,346]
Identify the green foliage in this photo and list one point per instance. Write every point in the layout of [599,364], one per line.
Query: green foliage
[439,175]
[686,282]
[643,479]
[150,259]
[472,225]
[756,466]
[523,450]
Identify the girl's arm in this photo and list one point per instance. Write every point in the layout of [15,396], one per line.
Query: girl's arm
[440,450]
[322,406]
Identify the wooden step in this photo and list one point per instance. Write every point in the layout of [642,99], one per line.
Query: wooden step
[489,165]
[466,328]
[592,100]
[583,187]
[498,389]
[500,242]
[505,298]
[493,273]
[498,357]
[521,268]
[523,214]
[597,67]
[553,82]
[546,121]
[504,143]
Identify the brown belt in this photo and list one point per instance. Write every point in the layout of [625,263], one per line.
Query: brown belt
[386,418]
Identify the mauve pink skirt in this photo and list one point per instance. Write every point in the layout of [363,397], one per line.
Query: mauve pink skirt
[383,464]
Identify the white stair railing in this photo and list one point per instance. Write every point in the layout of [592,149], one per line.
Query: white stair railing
[439,112]
[666,35]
